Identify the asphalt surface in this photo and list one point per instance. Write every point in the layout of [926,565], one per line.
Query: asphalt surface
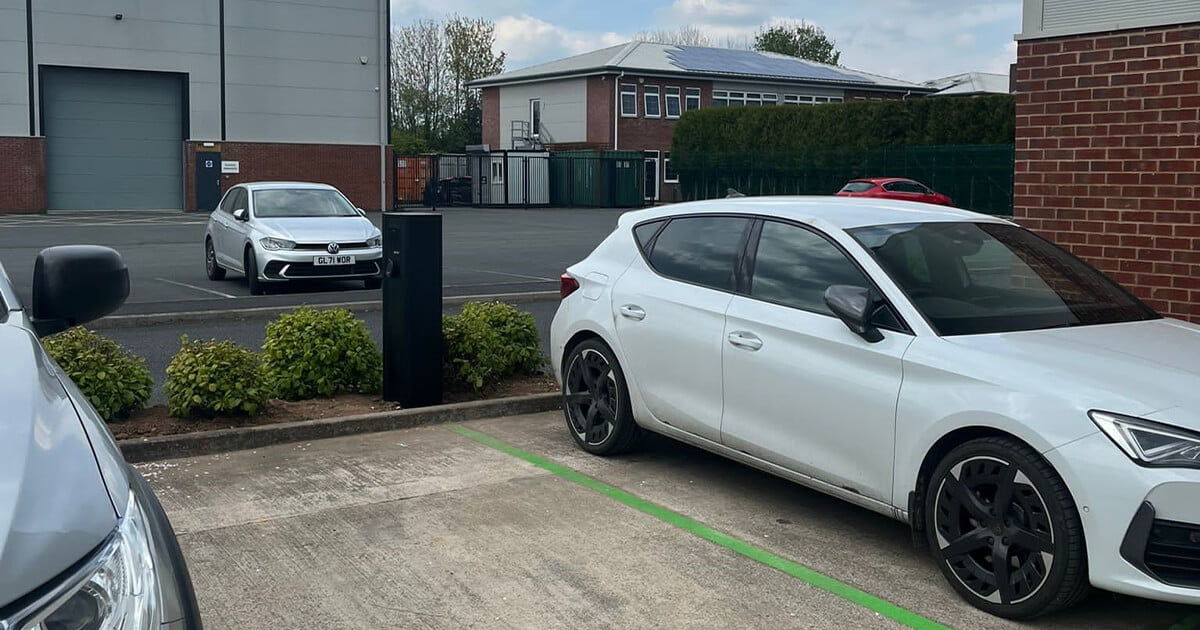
[484,251]
[160,342]
[435,528]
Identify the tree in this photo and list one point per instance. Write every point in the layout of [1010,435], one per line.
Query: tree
[432,62]
[685,36]
[803,40]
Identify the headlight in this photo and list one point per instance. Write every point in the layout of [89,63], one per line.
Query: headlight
[121,593]
[375,241]
[1150,443]
[276,243]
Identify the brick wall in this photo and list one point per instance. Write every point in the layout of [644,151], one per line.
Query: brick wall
[22,175]
[1107,160]
[491,116]
[353,169]
[600,110]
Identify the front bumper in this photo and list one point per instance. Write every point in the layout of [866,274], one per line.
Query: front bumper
[1125,543]
[282,265]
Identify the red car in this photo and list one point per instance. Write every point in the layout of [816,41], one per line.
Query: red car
[893,188]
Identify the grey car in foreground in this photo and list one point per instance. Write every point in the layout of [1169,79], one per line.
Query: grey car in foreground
[84,543]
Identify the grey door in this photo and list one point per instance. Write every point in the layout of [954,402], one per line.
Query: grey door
[114,139]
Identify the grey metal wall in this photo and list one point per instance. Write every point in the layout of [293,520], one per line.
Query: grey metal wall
[293,70]
[1049,18]
[114,139]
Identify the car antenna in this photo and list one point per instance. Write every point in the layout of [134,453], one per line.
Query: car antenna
[732,194]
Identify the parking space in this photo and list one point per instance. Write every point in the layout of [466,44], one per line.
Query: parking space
[438,528]
[485,251]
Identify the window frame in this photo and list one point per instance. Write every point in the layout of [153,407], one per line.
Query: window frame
[666,167]
[646,94]
[535,115]
[738,266]
[769,99]
[672,92]
[744,284]
[688,96]
[720,98]
[621,100]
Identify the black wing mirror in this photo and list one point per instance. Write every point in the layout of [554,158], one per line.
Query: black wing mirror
[75,284]
[855,306]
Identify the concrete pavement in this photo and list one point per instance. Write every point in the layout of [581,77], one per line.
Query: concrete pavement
[426,528]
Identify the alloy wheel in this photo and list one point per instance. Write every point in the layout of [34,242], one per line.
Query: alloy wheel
[210,259]
[591,396]
[993,530]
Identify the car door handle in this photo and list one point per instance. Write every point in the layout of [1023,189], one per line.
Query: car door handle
[745,340]
[633,312]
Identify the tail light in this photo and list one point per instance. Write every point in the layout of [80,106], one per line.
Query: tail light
[567,285]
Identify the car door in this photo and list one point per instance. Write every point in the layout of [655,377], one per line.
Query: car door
[222,218]
[235,233]
[801,390]
[669,309]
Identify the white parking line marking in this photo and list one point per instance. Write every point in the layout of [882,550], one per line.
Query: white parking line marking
[512,275]
[191,286]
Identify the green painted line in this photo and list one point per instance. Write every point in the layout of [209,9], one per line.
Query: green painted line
[796,570]
[1190,623]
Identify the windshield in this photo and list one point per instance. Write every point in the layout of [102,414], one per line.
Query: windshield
[973,278]
[301,202]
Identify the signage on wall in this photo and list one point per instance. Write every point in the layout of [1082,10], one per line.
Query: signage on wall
[208,163]
[228,166]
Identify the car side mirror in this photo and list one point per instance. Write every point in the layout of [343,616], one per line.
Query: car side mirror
[75,284]
[241,215]
[854,306]
[361,212]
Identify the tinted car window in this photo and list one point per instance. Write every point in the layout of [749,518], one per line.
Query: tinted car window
[974,278]
[646,231]
[794,266]
[857,187]
[905,187]
[701,250]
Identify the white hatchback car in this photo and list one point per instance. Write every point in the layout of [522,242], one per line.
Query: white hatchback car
[1036,425]
[279,231]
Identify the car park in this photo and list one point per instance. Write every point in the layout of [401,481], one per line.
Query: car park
[1036,425]
[84,543]
[898,188]
[276,232]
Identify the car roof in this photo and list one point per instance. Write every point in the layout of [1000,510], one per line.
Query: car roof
[292,185]
[840,212]
[884,180]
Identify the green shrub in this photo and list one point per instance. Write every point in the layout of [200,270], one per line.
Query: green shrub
[489,341]
[311,353]
[215,377]
[113,380]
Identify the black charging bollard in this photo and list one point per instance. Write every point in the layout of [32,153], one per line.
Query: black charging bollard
[412,308]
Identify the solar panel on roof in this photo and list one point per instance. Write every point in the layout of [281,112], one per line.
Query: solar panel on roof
[700,59]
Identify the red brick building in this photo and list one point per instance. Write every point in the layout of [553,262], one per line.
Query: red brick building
[628,98]
[1107,155]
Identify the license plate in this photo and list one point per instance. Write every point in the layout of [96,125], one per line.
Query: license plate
[324,261]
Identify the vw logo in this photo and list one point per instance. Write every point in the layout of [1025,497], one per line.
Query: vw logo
[333,248]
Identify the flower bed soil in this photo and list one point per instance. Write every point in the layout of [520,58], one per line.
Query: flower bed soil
[155,421]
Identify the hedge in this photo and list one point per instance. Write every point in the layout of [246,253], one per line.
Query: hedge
[781,130]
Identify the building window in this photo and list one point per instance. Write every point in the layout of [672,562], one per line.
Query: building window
[720,98]
[770,99]
[791,99]
[693,99]
[673,104]
[535,116]
[629,100]
[669,174]
[753,99]
[497,172]
[653,105]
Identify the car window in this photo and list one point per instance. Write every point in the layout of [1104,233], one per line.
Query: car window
[856,187]
[645,232]
[700,250]
[226,204]
[905,187]
[301,202]
[976,278]
[794,266]
[239,200]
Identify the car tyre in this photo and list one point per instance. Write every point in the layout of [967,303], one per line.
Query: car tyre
[372,284]
[213,270]
[252,281]
[596,400]
[1005,531]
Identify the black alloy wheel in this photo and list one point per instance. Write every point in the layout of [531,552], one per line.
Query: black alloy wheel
[1005,530]
[596,401]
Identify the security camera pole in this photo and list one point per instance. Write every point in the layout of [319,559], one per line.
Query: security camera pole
[412,308]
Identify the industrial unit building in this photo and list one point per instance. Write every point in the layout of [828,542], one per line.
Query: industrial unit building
[628,98]
[164,104]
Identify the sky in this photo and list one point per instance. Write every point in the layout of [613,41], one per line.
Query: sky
[913,40]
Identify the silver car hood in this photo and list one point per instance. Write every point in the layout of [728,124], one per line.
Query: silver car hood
[318,229]
[54,505]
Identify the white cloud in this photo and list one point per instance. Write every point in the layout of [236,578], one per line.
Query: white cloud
[711,12]
[529,40]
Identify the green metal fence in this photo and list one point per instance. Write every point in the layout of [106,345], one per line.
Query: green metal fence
[976,177]
[612,179]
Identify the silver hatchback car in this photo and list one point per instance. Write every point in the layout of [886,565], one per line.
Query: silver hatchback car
[280,231]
